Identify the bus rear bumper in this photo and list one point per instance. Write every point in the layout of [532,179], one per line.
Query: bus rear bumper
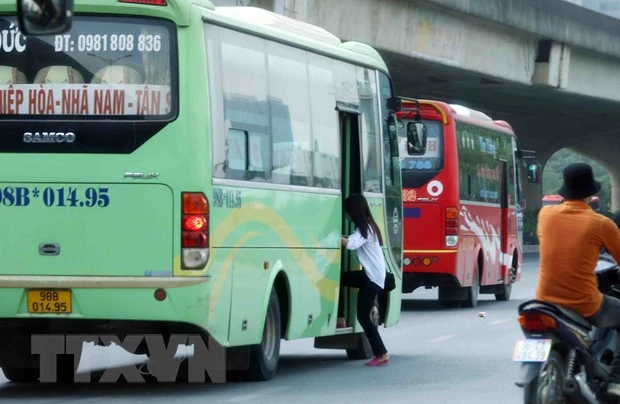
[108,306]
[414,280]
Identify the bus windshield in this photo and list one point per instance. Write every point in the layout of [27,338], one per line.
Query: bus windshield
[432,159]
[105,67]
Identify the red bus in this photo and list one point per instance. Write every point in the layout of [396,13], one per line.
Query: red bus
[460,194]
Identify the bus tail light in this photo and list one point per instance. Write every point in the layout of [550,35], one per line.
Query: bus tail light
[194,230]
[451,226]
[418,261]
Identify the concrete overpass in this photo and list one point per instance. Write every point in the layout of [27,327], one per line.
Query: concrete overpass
[548,67]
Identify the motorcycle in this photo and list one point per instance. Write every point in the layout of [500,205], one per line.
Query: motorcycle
[563,358]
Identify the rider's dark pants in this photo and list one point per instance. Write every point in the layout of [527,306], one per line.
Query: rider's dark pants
[608,316]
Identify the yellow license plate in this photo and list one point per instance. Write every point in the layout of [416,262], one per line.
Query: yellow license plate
[49,301]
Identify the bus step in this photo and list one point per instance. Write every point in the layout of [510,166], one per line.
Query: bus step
[344,339]
[347,330]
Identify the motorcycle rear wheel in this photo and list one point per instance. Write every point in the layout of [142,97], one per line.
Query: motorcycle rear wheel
[550,387]
[530,392]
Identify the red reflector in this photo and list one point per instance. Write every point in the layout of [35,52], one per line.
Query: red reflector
[195,203]
[194,223]
[452,231]
[194,239]
[149,2]
[160,295]
[537,322]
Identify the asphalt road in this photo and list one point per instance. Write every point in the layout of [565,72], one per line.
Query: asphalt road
[438,356]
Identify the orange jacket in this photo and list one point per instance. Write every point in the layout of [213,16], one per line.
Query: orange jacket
[571,237]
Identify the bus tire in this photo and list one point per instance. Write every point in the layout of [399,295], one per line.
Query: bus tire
[21,375]
[264,357]
[474,289]
[65,367]
[449,304]
[65,370]
[504,295]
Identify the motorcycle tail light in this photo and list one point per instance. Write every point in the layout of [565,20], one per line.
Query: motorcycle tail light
[537,322]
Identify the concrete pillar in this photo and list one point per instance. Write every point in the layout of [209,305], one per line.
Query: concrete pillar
[266,4]
[532,193]
[603,147]
[614,176]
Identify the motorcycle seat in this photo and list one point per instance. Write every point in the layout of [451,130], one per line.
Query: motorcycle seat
[568,313]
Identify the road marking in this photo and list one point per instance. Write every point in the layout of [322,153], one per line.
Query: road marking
[442,338]
[497,322]
[255,396]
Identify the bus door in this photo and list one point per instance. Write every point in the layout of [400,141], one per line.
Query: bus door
[349,116]
[506,224]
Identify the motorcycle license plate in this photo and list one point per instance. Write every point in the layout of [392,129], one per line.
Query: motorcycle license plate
[531,350]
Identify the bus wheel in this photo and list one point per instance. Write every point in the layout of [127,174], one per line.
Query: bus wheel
[363,349]
[507,287]
[473,290]
[65,370]
[65,367]
[265,356]
[449,304]
[21,375]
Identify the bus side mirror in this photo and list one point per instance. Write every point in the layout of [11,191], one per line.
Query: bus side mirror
[416,138]
[44,17]
[533,173]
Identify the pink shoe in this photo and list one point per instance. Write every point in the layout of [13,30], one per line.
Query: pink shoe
[378,362]
[341,323]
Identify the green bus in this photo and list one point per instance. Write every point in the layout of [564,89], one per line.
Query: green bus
[173,167]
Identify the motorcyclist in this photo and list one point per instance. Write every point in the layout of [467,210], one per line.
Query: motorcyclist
[571,237]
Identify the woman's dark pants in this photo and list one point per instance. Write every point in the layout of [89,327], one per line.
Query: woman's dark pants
[365,299]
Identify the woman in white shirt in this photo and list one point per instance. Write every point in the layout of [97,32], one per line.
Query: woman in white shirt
[366,240]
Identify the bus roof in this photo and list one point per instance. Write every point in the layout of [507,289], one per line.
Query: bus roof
[292,31]
[460,110]
[250,19]
[282,23]
[461,113]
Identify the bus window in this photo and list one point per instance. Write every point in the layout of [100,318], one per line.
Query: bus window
[432,158]
[117,68]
